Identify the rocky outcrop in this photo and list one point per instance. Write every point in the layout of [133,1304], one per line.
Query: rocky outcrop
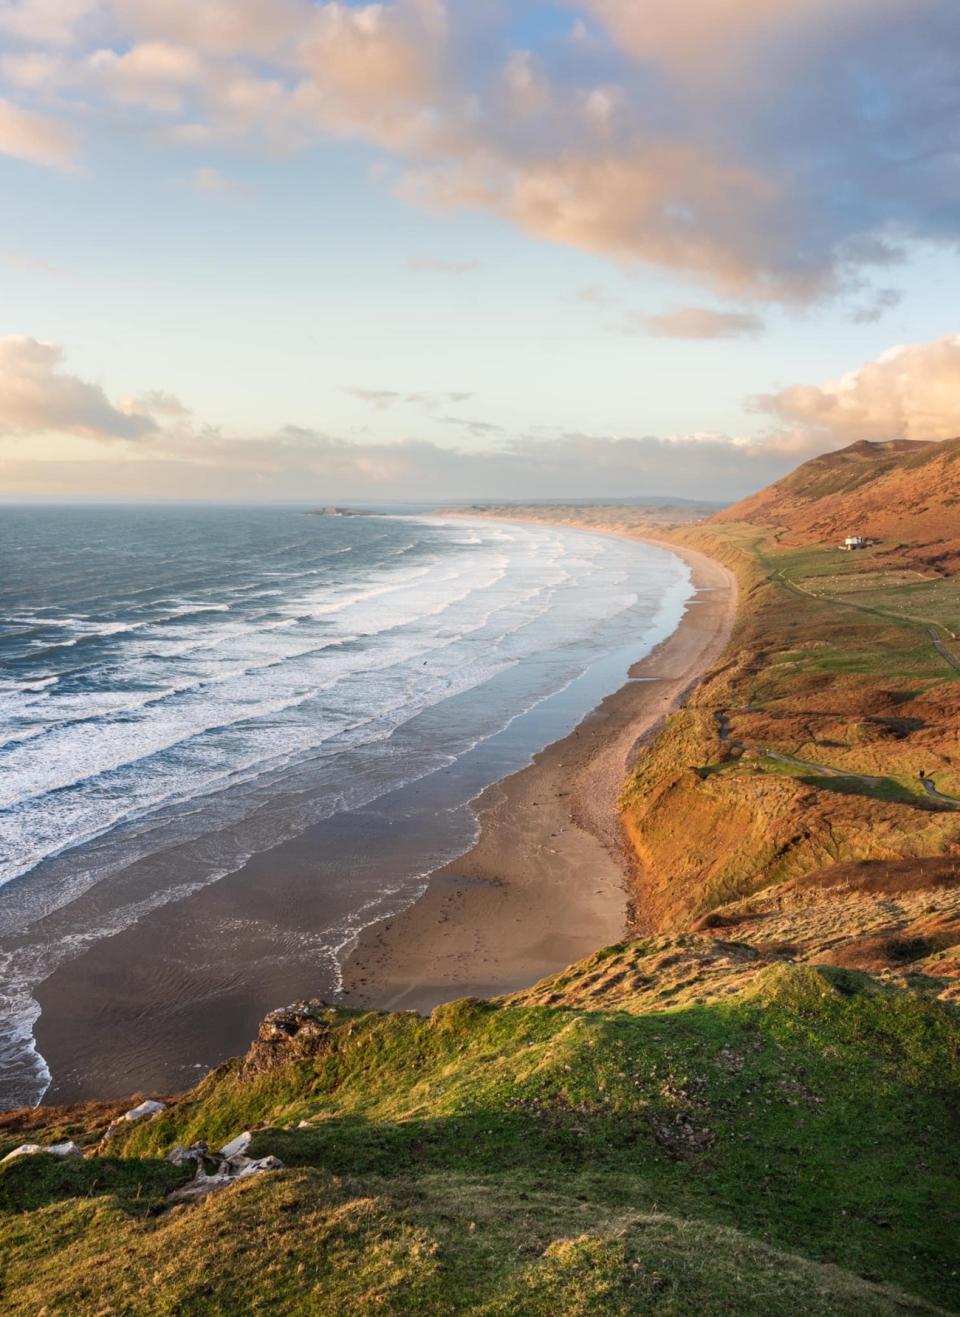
[230,1165]
[294,1033]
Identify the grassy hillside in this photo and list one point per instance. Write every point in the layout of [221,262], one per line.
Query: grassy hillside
[790,1147]
[907,494]
[801,755]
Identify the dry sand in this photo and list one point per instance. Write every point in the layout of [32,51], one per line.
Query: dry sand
[545,883]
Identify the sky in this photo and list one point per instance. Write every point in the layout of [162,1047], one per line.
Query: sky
[434,249]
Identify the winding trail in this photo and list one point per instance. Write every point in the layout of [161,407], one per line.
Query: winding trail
[821,770]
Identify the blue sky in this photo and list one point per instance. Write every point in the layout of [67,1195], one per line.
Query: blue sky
[510,249]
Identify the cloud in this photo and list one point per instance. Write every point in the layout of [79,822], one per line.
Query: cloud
[22,261]
[873,310]
[154,74]
[159,450]
[383,398]
[248,28]
[38,396]
[35,137]
[698,322]
[438,265]
[909,392]
[45,22]
[210,182]
[689,141]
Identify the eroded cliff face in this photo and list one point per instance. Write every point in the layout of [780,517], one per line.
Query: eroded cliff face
[826,740]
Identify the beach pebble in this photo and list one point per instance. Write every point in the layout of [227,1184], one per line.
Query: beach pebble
[148,1108]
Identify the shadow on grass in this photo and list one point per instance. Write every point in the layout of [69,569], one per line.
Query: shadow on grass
[138,1187]
[884,788]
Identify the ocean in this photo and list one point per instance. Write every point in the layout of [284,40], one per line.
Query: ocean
[183,689]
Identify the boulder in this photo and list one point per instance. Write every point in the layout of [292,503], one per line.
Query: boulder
[229,1172]
[237,1147]
[148,1108]
[25,1150]
[68,1149]
[179,1156]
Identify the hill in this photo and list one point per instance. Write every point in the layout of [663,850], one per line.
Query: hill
[790,1147]
[904,493]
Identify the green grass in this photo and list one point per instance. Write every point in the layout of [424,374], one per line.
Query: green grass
[311,1243]
[832,1131]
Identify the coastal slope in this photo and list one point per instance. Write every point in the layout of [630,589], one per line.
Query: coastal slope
[747,1105]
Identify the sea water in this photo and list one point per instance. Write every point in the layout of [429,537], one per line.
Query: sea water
[184,688]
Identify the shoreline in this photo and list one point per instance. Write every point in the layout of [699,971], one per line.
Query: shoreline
[509,909]
[547,881]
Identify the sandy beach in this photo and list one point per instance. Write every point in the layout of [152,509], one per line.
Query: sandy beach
[544,885]
[546,882]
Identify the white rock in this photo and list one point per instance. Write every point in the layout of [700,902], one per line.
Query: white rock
[148,1108]
[68,1149]
[237,1147]
[25,1150]
[229,1173]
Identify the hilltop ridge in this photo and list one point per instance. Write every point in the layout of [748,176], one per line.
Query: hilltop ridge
[904,492]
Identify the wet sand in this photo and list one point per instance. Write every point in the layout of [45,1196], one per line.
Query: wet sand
[545,883]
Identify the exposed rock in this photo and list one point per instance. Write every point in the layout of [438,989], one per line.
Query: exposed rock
[69,1149]
[25,1150]
[197,1152]
[294,1033]
[147,1108]
[237,1147]
[229,1172]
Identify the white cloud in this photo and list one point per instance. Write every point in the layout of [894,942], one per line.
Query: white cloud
[910,392]
[37,396]
[36,137]
[698,322]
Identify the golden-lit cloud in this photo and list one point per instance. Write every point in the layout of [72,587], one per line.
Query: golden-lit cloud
[683,136]
[697,322]
[35,137]
[910,392]
[37,396]
[62,435]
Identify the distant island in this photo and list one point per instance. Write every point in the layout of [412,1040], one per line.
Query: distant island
[338,512]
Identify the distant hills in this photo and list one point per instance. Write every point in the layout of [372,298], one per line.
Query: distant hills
[905,493]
